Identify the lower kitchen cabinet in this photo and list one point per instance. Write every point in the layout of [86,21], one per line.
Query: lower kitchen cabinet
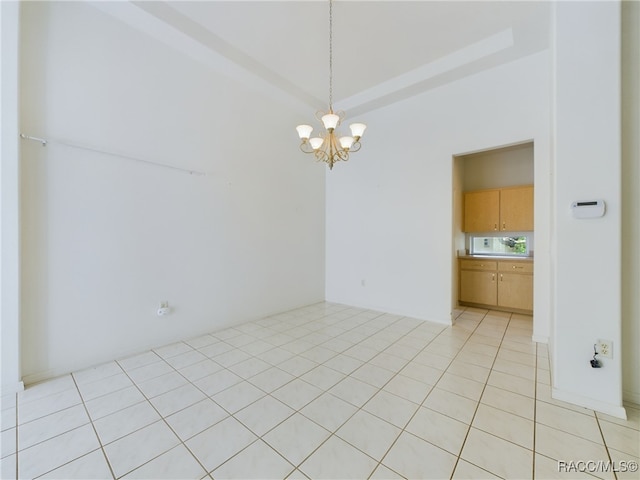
[501,284]
[478,281]
[515,291]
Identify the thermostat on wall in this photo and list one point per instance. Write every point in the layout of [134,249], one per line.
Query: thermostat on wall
[588,209]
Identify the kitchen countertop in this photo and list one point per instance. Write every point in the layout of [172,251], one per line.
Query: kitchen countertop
[497,257]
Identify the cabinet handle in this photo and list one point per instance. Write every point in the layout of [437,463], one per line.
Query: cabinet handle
[493,277]
[500,277]
[504,225]
[495,226]
[516,266]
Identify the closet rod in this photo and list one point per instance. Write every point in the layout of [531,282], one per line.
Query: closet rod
[46,142]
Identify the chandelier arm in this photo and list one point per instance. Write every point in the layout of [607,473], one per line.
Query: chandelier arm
[321,156]
[305,147]
[342,155]
[355,147]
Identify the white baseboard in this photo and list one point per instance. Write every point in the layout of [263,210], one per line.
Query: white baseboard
[46,375]
[12,388]
[617,411]
[631,397]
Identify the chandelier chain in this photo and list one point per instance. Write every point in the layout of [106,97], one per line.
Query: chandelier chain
[331,55]
[330,147]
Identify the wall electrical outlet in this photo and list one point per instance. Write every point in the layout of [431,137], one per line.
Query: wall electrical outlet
[164,309]
[604,348]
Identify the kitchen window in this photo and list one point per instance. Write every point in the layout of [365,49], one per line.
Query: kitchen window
[500,245]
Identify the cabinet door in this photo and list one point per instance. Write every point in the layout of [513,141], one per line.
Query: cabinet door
[515,291]
[516,209]
[482,211]
[478,287]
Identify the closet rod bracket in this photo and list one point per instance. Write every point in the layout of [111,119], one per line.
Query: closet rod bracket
[37,139]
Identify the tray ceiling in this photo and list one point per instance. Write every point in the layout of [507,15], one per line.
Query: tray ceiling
[383,51]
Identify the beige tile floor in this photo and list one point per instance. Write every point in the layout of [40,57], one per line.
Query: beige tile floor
[325,391]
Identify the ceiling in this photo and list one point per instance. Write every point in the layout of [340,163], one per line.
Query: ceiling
[383,51]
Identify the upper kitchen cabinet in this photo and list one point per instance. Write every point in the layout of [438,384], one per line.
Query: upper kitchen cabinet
[481,211]
[508,209]
[516,209]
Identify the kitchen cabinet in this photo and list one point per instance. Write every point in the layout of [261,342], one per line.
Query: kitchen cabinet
[503,209]
[516,209]
[478,281]
[499,284]
[482,211]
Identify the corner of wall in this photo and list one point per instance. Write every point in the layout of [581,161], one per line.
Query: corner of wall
[631,200]
[9,200]
[587,303]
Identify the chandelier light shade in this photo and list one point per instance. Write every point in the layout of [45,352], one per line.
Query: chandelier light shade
[328,147]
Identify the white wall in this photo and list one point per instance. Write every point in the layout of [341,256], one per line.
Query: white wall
[587,166]
[105,239]
[503,167]
[631,201]
[389,209]
[9,201]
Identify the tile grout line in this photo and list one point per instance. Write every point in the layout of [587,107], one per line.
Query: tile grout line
[298,377]
[228,412]
[223,367]
[57,435]
[481,394]
[331,434]
[455,465]
[86,410]
[345,376]
[360,408]
[606,447]
[403,429]
[97,380]
[104,454]
[335,354]
[43,417]
[162,417]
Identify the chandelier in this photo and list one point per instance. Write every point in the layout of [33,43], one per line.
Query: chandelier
[329,148]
